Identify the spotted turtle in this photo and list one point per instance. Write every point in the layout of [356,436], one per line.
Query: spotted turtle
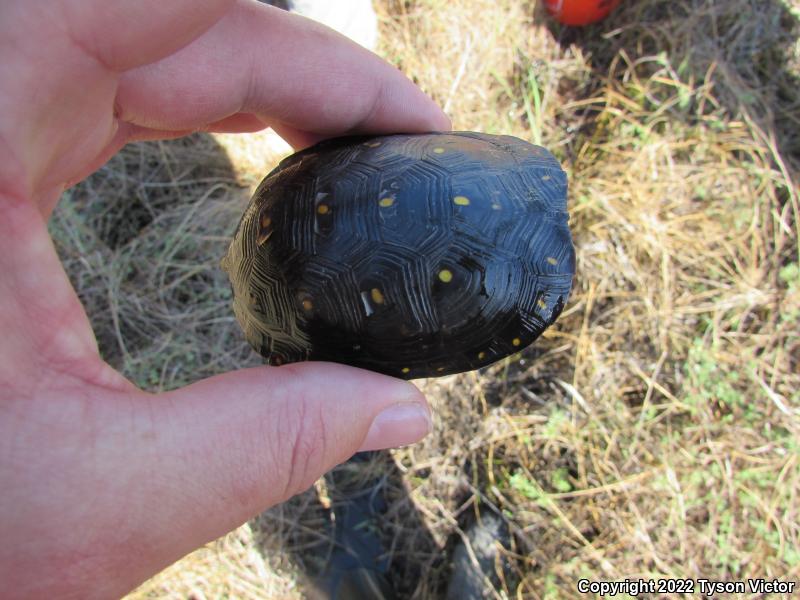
[411,255]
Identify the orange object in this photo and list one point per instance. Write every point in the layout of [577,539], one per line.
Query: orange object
[580,12]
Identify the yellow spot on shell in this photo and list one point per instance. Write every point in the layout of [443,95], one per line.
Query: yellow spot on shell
[406,370]
[385,202]
[439,369]
[445,275]
[264,232]
[481,355]
[438,150]
[372,144]
[377,296]
[542,304]
[323,209]
[552,260]
[496,206]
[515,342]
[546,178]
[461,200]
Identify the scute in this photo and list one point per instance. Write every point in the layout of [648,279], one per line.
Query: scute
[411,255]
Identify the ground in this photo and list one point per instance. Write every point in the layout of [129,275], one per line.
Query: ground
[653,431]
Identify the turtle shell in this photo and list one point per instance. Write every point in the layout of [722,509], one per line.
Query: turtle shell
[410,255]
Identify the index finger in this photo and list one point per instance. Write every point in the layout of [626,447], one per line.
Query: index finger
[284,69]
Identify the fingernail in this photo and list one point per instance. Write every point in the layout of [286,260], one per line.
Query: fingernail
[398,425]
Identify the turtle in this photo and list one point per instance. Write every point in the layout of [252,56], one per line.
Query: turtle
[412,255]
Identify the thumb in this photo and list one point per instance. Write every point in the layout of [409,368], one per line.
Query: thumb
[281,428]
[240,442]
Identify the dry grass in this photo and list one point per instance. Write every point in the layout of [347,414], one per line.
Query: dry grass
[654,431]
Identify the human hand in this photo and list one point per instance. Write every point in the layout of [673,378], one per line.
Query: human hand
[103,484]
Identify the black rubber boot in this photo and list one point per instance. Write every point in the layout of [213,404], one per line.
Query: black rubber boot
[471,581]
[356,568]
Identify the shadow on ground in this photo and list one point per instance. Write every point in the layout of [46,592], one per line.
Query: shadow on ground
[141,240]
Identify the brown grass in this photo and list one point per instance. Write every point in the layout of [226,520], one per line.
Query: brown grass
[653,431]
